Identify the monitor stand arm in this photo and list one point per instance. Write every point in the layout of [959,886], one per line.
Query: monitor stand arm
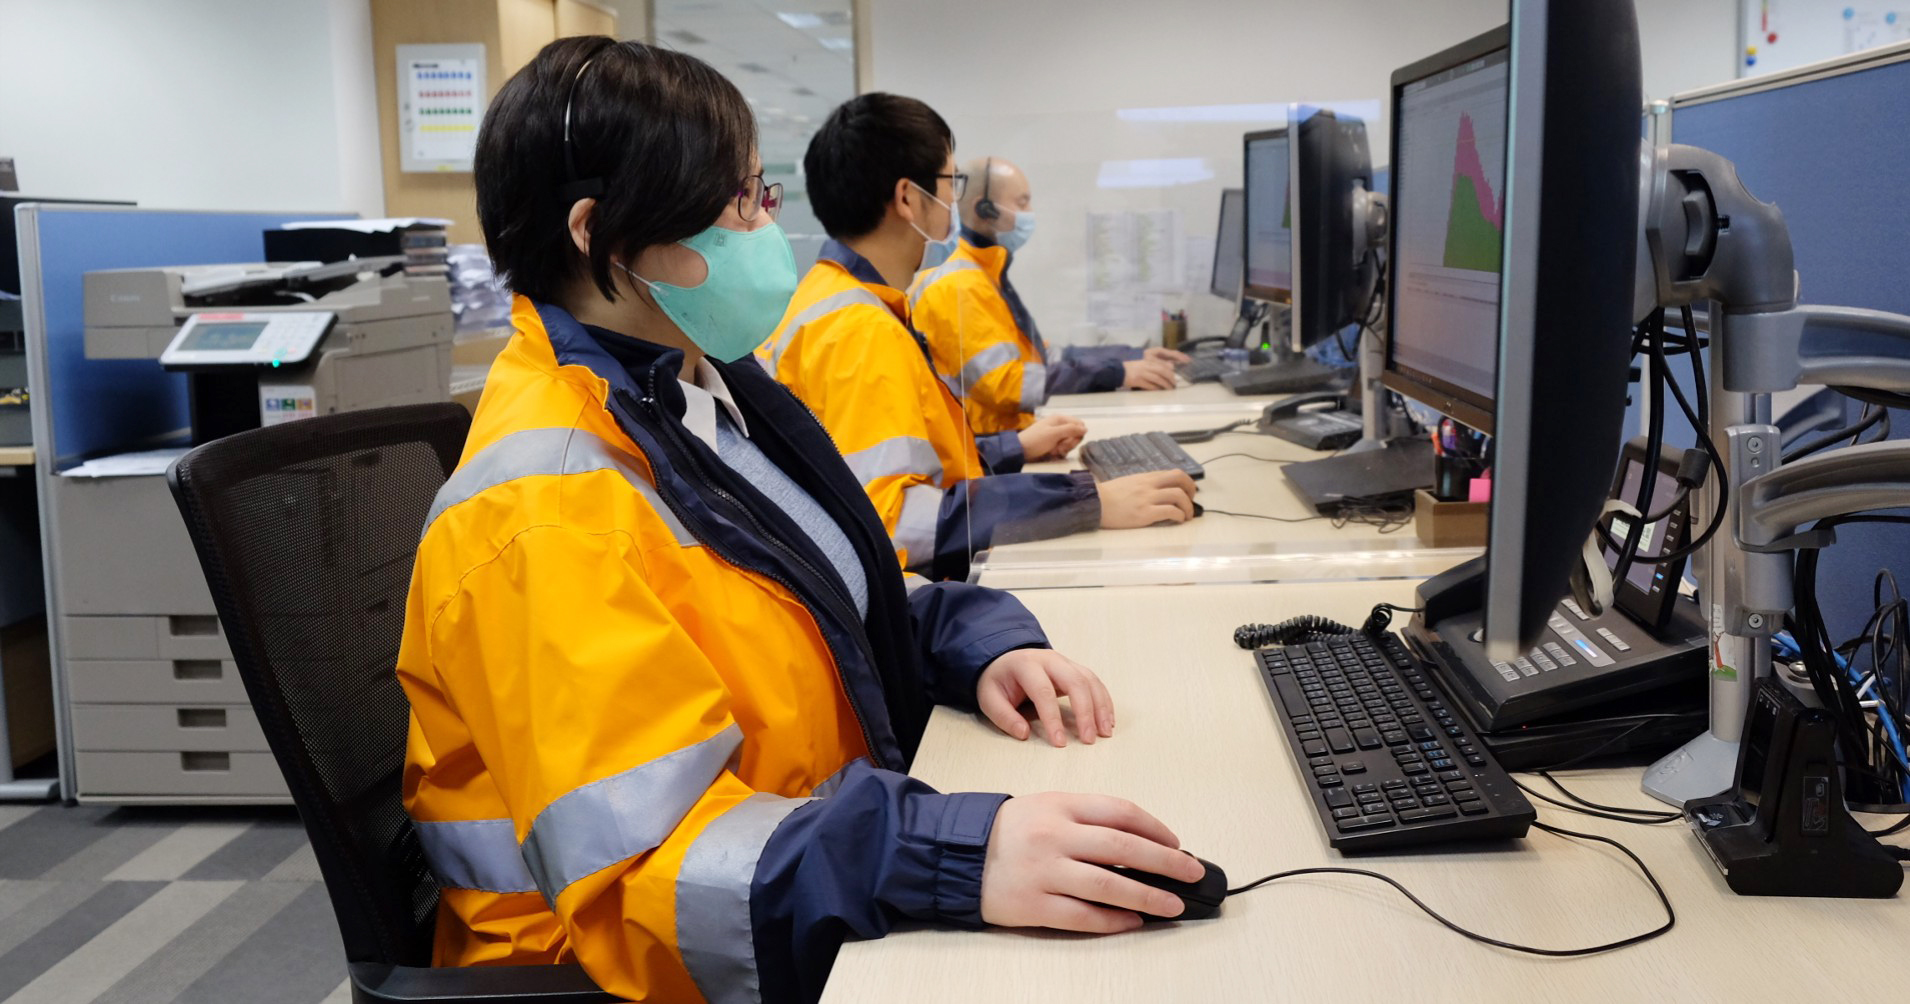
[1706,238]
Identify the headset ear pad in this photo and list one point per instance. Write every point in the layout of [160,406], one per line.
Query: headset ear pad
[985,207]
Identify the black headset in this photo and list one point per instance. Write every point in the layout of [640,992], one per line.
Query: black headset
[985,208]
[575,188]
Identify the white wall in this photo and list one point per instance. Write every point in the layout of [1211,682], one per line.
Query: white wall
[1042,83]
[200,104]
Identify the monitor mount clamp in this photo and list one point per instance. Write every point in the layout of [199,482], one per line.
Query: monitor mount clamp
[1705,238]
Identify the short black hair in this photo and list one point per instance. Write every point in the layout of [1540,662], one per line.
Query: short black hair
[868,144]
[668,138]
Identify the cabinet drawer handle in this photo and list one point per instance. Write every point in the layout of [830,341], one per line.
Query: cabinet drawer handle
[200,761]
[202,718]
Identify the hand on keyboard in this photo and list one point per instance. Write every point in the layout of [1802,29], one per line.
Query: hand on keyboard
[1146,499]
[1051,437]
[1149,374]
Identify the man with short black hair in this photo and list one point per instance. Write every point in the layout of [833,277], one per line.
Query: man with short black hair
[882,180]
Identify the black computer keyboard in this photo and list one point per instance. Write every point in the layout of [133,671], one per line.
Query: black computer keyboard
[1205,369]
[1387,759]
[1137,454]
[1290,377]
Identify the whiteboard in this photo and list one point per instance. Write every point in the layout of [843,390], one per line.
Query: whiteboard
[1782,34]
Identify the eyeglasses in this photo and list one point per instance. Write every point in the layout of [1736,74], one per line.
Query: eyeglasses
[957,183]
[758,194]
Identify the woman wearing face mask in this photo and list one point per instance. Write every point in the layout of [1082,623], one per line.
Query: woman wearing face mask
[665,674]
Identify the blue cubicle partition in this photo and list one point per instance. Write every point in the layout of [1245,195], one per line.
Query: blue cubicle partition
[1830,147]
[83,408]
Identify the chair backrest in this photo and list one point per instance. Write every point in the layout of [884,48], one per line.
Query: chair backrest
[307,532]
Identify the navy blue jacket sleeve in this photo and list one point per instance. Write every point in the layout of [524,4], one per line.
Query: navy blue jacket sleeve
[961,629]
[1090,369]
[1007,508]
[1001,452]
[882,847]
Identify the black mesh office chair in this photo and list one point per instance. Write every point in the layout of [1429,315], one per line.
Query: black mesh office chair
[307,532]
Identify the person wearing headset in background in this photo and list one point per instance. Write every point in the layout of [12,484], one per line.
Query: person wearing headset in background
[980,332]
[881,178]
[664,673]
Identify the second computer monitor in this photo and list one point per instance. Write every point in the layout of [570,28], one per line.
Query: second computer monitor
[1335,266]
[1229,242]
[1448,225]
[1269,233]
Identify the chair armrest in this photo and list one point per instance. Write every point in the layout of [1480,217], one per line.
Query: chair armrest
[376,983]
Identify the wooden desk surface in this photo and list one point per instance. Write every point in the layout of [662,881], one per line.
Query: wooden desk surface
[1243,476]
[1212,395]
[1196,745]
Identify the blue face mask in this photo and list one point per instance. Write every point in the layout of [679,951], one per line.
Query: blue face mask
[751,276]
[935,252]
[1014,239]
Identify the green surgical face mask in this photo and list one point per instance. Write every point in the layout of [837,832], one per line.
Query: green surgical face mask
[751,276]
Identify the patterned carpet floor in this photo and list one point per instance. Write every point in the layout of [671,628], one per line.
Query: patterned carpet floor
[104,905]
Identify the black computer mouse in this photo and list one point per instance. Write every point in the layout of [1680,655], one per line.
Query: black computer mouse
[1201,898]
[1199,509]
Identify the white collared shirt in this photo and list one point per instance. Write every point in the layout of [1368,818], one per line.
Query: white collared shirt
[700,400]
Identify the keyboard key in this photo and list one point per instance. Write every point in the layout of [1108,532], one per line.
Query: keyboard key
[1353,767]
[1412,768]
[1392,783]
[1338,798]
[1393,738]
[1369,797]
[1476,761]
[1450,775]
[1340,740]
[1365,823]
[1459,785]
[1465,796]
[1435,800]
[1474,808]
[1314,749]
[1441,764]
[1329,782]
[1367,739]
[1420,732]
[1427,814]
[1326,771]
[1360,789]
[1347,813]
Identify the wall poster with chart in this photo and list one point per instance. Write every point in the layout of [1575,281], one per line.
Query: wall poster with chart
[441,98]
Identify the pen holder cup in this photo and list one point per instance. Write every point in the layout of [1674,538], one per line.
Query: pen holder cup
[1452,476]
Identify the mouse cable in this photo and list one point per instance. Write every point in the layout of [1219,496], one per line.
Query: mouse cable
[1666,815]
[1255,515]
[1644,817]
[1671,917]
[1255,456]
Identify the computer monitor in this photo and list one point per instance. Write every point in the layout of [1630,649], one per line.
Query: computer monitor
[1230,239]
[1570,243]
[1335,266]
[1269,214]
[1446,240]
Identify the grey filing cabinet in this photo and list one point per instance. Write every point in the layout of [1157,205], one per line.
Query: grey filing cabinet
[157,712]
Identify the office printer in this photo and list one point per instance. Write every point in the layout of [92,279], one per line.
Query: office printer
[268,343]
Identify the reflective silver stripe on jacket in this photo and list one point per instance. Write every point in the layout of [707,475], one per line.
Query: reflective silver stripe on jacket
[988,361]
[832,782]
[477,854]
[930,277]
[816,312]
[622,816]
[915,527]
[1034,386]
[713,931]
[540,452]
[898,456]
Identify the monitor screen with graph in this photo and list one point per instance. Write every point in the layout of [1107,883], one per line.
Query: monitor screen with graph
[1448,209]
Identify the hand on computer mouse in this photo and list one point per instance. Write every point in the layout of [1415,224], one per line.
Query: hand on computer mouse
[1045,858]
[1041,676]
[1148,374]
[1146,499]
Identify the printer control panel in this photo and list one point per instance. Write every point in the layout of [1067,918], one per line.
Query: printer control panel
[279,338]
